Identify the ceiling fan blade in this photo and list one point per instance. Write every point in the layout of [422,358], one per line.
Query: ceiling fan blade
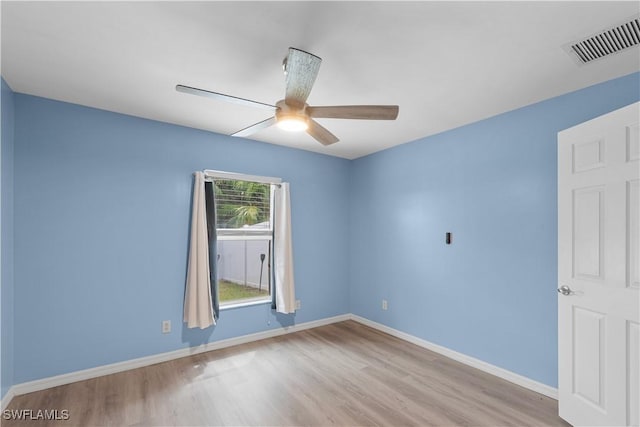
[322,135]
[363,112]
[223,97]
[255,127]
[301,69]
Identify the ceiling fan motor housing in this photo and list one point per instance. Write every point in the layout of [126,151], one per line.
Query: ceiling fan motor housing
[286,111]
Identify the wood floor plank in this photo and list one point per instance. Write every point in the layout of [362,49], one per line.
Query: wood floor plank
[341,374]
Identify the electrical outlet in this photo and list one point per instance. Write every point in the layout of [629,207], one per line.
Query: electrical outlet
[166,326]
[298,304]
[385,304]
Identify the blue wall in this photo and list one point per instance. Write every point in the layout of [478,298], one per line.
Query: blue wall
[101,207]
[492,293]
[6,241]
[102,220]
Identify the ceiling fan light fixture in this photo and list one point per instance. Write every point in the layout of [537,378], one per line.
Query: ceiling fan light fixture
[292,113]
[293,123]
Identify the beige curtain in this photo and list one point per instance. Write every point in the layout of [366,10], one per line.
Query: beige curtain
[285,295]
[198,307]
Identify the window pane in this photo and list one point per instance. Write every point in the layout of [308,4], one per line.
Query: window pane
[242,204]
[243,269]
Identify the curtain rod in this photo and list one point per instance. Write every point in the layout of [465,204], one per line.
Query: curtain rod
[213,174]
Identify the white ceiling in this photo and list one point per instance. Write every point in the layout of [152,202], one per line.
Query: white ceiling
[445,64]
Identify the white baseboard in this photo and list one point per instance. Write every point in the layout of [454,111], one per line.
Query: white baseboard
[463,358]
[113,368]
[4,402]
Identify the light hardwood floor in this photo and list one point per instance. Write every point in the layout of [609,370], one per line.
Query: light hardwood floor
[341,374]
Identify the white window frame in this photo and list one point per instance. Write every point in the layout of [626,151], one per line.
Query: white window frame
[239,234]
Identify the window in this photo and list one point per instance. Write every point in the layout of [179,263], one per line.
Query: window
[245,231]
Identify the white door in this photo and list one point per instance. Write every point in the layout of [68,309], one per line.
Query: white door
[598,270]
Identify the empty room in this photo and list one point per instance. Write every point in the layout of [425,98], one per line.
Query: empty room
[320,213]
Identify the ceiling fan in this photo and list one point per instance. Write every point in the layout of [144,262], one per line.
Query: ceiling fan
[293,113]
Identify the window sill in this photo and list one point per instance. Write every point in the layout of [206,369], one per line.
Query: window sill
[234,305]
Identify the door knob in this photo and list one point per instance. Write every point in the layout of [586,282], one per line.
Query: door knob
[565,290]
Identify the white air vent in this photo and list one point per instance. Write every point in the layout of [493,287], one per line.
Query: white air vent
[607,42]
